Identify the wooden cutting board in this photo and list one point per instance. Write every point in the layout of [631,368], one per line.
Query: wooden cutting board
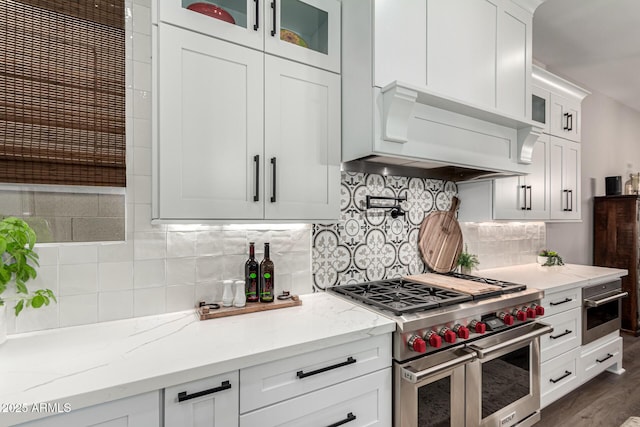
[440,239]
[460,285]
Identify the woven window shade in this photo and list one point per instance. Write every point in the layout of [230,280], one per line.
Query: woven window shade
[62,92]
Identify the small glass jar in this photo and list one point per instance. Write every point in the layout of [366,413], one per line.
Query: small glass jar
[628,186]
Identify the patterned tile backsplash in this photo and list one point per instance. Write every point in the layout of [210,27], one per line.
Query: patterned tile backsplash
[368,244]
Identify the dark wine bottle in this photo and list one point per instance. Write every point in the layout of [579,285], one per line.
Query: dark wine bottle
[266,277]
[252,276]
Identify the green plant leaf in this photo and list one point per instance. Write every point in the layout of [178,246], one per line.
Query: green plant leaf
[19,306]
[37,301]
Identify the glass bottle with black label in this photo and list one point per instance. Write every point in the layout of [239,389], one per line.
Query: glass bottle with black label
[266,277]
[252,276]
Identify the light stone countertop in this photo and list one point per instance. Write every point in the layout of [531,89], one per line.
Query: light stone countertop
[553,279]
[91,364]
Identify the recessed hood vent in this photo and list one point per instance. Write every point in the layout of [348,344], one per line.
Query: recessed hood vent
[421,133]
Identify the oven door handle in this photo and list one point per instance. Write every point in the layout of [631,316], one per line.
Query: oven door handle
[541,329]
[590,303]
[414,377]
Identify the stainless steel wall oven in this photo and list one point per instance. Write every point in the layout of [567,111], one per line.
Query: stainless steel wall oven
[601,311]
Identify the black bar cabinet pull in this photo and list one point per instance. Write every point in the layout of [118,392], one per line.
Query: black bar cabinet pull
[256,195]
[564,301]
[566,121]
[524,189]
[609,356]
[350,417]
[273,193]
[273,6]
[257,24]
[530,197]
[571,125]
[301,374]
[566,374]
[555,337]
[182,396]
[566,199]
[571,200]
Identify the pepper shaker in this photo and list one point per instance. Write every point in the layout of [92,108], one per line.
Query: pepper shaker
[227,294]
[240,298]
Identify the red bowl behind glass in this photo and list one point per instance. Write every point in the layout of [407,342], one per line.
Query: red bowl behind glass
[212,10]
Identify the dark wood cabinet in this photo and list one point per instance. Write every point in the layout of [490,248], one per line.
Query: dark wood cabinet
[615,244]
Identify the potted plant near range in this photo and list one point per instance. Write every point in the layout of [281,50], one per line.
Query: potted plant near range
[467,261]
[549,258]
[17,261]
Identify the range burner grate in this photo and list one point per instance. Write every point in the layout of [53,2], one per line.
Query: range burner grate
[507,287]
[401,296]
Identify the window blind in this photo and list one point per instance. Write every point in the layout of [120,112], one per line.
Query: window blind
[62,92]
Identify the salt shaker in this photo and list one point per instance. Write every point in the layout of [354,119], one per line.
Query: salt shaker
[240,298]
[227,294]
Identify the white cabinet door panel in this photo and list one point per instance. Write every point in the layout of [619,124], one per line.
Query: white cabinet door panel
[218,406]
[364,401]
[302,134]
[512,63]
[565,192]
[461,52]
[210,127]
[135,411]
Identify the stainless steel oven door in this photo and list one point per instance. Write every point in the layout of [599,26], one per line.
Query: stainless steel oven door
[601,315]
[503,384]
[429,392]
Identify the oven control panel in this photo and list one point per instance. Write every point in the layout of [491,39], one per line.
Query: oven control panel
[437,337]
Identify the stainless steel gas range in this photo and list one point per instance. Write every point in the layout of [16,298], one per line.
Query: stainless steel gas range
[460,359]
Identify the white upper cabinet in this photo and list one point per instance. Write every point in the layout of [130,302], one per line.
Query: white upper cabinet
[564,165]
[210,121]
[476,51]
[556,104]
[525,197]
[306,31]
[302,141]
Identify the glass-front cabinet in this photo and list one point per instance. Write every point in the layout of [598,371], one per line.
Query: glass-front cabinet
[307,31]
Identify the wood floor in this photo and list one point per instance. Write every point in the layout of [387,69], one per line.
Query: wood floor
[605,401]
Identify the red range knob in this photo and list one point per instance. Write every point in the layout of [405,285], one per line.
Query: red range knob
[417,344]
[506,318]
[450,336]
[479,327]
[539,309]
[531,313]
[462,331]
[434,339]
[520,315]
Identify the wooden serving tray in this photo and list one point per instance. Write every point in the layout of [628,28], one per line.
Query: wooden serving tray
[251,307]
[460,285]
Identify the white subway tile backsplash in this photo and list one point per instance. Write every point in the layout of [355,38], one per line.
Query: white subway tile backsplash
[141,44]
[234,266]
[149,245]
[141,133]
[141,75]
[148,274]
[31,319]
[235,242]
[76,279]
[115,305]
[181,271]
[78,254]
[181,297]
[141,104]
[141,19]
[116,252]
[142,189]
[47,254]
[210,242]
[149,301]
[209,269]
[181,244]
[208,291]
[78,309]
[141,161]
[115,276]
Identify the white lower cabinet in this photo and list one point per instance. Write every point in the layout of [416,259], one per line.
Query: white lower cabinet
[211,402]
[601,355]
[566,335]
[345,383]
[559,376]
[135,411]
[364,401]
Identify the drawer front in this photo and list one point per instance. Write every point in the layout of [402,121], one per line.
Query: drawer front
[212,401]
[559,376]
[364,401]
[283,379]
[558,302]
[567,327]
[601,358]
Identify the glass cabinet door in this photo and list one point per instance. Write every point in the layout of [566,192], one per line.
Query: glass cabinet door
[238,21]
[307,31]
[540,107]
